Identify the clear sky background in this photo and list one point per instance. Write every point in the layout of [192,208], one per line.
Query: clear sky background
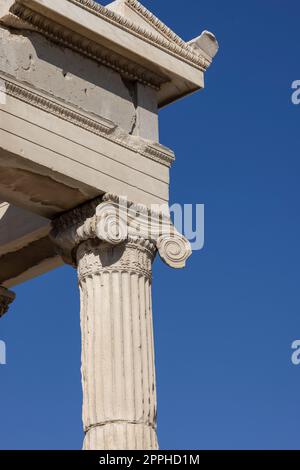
[224,326]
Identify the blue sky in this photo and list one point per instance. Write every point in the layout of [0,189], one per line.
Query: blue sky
[224,326]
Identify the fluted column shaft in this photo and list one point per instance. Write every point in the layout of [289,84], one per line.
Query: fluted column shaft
[118,371]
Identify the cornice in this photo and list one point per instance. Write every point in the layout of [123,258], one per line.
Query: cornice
[99,126]
[91,49]
[170,42]
[156,23]
[173,44]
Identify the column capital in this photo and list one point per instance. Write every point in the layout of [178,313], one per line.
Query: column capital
[115,220]
[134,257]
[6,298]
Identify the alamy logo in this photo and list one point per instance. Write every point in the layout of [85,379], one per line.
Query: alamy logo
[296,94]
[2,353]
[296,353]
[118,220]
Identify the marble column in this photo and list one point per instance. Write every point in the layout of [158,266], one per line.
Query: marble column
[113,244]
[6,298]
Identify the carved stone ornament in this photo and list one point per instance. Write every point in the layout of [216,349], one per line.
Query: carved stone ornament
[165,38]
[115,220]
[6,298]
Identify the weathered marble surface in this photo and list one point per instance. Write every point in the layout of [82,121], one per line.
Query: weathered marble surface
[81,86]
[62,73]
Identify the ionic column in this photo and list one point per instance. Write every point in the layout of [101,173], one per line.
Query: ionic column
[6,298]
[113,249]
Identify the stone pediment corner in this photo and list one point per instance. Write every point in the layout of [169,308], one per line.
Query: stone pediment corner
[104,33]
[139,15]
